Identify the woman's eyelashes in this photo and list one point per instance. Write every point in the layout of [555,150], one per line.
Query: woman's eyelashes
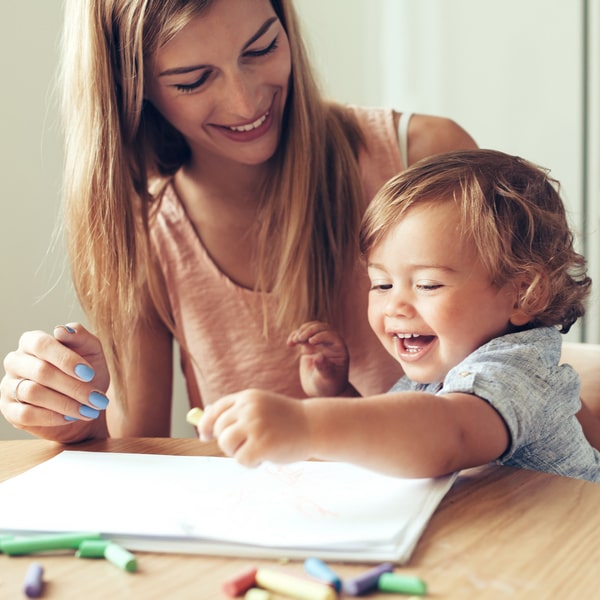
[263,51]
[190,87]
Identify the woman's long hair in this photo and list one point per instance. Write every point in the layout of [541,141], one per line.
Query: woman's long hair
[116,145]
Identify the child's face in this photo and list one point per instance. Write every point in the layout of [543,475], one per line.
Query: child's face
[431,302]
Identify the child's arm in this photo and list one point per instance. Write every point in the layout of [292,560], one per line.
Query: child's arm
[408,434]
[324,360]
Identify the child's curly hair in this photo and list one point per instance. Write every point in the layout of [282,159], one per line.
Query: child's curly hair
[512,211]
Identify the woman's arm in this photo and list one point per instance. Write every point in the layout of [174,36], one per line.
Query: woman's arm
[585,359]
[146,412]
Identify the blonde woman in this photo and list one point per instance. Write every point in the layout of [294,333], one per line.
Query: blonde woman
[212,199]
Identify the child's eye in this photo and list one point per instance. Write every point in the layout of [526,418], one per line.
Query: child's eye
[428,287]
[263,51]
[190,87]
[381,287]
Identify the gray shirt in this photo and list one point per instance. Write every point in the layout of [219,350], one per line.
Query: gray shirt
[519,375]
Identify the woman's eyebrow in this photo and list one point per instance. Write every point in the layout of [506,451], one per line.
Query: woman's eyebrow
[183,70]
[261,31]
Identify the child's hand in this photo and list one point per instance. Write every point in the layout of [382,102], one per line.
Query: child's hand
[253,426]
[324,360]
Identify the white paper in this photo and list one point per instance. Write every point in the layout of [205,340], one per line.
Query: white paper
[214,505]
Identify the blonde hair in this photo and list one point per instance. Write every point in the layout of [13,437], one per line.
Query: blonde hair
[116,145]
[512,211]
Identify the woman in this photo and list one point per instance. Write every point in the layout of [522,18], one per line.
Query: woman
[212,197]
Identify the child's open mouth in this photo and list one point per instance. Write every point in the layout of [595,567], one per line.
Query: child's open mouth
[413,343]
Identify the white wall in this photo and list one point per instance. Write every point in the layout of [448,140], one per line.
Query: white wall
[510,72]
[372,52]
[34,294]
[36,289]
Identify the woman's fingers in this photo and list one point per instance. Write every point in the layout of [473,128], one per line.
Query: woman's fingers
[56,379]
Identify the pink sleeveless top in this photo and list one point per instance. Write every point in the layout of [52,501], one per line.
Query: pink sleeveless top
[221,323]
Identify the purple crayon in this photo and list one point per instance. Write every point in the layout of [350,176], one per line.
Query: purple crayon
[34,583]
[367,581]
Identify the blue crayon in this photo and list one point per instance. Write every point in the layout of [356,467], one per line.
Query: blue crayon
[366,582]
[319,570]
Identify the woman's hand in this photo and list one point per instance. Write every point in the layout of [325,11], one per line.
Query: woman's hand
[324,359]
[55,386]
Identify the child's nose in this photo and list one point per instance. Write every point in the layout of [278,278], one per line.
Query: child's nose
[399,305]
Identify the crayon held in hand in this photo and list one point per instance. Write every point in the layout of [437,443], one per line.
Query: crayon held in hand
[194,415]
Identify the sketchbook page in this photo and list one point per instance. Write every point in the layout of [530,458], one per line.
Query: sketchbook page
[194,500]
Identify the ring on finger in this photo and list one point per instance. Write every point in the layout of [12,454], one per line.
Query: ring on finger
[17,391]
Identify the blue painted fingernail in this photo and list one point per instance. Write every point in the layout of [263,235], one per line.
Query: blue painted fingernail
[88,411]
[68,418]
[98,400]
[69,329]
[84,372]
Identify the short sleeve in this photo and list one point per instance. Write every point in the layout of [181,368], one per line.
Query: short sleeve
[524,382]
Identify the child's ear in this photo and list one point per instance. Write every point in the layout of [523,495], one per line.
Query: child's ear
[519,317]
[531,299]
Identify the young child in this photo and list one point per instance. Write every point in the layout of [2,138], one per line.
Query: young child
[473,279]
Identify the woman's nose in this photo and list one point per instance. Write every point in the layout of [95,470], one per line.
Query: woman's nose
[239,95]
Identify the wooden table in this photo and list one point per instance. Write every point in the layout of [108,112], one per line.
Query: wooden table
[499,533]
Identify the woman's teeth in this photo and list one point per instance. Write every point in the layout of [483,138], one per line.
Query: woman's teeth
[251,126]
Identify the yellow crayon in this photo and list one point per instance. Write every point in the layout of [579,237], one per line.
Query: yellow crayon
[194,415]
[294,587]
[257,594]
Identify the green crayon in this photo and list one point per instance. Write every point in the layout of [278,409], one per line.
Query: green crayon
[44,543]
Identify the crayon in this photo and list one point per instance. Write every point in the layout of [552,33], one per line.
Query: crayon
[4,537]
[238,584]
[43,543]
[367,581]
[92,549]
[120,557]
[293,586]
[319,570]
[33,583]
[257,594]
[193,416]
[402,584]
[112,552]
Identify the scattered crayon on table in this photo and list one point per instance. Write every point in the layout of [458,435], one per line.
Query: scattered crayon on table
[294,586]
[402,584]
[367,581]
[319,570]
[240,583]
[33,584]
[44,543]
[257,594]
[112,552]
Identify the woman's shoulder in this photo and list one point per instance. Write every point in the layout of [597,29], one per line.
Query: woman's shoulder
[430,134]
[427,134]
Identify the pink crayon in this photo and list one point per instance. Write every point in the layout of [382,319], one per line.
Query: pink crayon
[240,583]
